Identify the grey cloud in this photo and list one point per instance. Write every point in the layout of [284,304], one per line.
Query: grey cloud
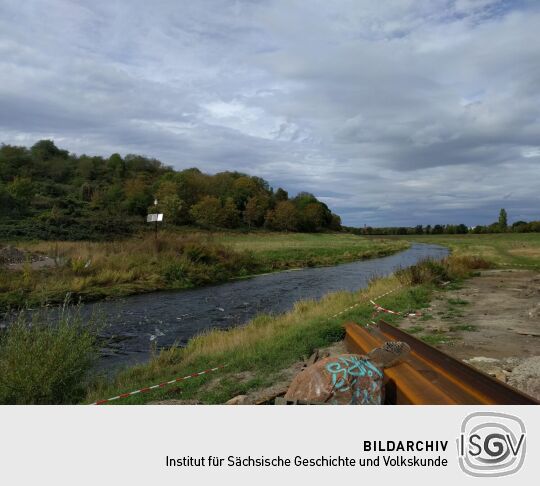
[398,112]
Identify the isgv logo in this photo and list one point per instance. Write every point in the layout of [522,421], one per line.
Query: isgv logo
[491,444]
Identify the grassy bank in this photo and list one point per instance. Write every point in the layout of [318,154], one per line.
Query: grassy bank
[501,249]
[256,354]
[97,270]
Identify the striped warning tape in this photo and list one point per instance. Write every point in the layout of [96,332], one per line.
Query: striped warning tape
[363,300]
[378,308]
[160,385]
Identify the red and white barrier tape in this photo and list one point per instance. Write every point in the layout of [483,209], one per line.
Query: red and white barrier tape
[359,303]
[378,308]
[160,385]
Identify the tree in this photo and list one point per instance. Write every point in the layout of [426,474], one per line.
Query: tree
[116,165]
[312,217]
[46,149]
[21,190]
[208,212]
[230,216]
[503,220]
[284,217]
[281,195]
[335,222]
[255,210]
[169,202]
[138,195]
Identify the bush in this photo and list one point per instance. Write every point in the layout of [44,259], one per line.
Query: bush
[46,360]
[451,268]
[425,272]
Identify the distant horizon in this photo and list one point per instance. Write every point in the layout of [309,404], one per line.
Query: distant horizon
[291,193]
[393,114]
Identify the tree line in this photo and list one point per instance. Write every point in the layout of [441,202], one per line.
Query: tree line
[46,191]
[499,226]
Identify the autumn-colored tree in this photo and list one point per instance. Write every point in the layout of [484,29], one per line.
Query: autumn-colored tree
[208,211]
[283,217]
[230,216]
[313,217]
[255,210]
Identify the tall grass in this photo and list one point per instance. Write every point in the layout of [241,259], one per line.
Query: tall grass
[436,272]
[95,270]
[46,359]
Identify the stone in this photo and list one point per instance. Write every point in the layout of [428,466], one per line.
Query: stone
[346,379]
[238,400]
[526,377]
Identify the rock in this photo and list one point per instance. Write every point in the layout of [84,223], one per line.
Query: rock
[238,400]
[534,313]
[313,358]
[347,379]
[481,359]
[526,377]
[525,331]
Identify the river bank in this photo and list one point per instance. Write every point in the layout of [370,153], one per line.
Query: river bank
[260,354]
[90,271]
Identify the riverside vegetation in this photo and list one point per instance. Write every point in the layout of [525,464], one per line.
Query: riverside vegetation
[176,260]
[260,350]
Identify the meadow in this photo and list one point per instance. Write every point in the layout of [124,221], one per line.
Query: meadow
[512,249]
[176,260]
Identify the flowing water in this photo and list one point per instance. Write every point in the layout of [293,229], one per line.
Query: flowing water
[136,323]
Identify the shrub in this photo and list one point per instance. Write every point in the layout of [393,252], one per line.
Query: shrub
[46,359]
[451,268]
[425,272]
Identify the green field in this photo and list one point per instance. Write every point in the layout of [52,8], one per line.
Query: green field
[501,248]
[278,250]
[177,260]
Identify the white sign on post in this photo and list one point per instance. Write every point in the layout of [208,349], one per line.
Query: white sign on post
[154,218]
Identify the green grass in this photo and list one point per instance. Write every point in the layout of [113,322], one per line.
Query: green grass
[415,329]
[283,250]
[436,337]
[177,260]
[44,361]
[457,302]
[505,249]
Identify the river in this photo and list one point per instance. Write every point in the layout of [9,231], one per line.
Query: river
[136,323]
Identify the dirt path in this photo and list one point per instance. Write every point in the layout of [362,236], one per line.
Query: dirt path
[492,322]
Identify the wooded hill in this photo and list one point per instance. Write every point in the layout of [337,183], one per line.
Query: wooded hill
[46,193]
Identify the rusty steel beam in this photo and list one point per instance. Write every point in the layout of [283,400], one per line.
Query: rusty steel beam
[428,376]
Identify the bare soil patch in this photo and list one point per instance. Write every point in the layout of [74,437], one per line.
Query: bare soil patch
[492,323]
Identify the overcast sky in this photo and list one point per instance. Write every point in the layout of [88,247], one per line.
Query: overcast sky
[393,112]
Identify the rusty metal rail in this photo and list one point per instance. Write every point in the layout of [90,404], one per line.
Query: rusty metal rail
[429,376]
